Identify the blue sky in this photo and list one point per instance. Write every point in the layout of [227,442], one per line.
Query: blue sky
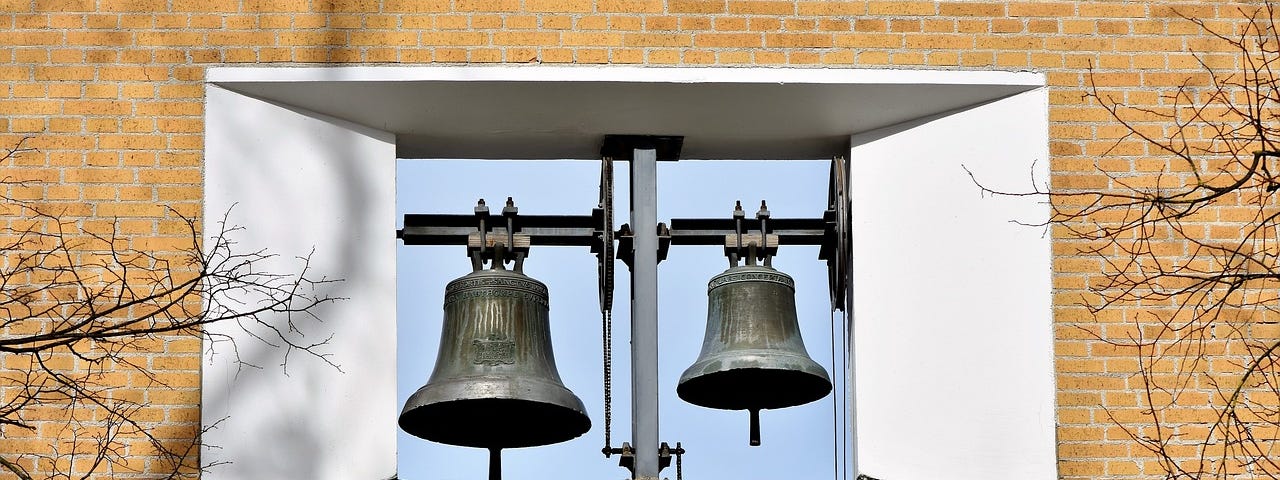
[797,442]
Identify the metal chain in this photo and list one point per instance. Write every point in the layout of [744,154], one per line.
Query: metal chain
[607,330]
[679,462]
[606,296]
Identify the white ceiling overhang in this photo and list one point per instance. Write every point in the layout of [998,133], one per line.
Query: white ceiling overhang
[518,112]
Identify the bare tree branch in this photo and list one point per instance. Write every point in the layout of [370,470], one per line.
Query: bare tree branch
[1191,252]
[81,309]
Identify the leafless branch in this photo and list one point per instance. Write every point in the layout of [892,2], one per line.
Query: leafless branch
[81,309]
[1191,249]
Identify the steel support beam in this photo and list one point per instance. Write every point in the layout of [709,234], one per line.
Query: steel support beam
[446,229]
[644,313]
[580,230]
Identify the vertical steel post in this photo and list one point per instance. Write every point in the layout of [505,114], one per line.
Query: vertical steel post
[644,313]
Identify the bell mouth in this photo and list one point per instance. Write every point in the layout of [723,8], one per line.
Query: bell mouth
[747,381]
[494,413]
[753,388]
[495,423]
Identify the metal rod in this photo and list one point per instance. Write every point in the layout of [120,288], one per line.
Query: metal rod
[495,464]
[644,313]
[755,428]
[851,382]
[850,350]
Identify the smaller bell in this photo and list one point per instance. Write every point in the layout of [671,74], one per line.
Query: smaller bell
[495,383]
[752,355]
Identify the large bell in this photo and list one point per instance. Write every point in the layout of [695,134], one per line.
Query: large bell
[495,383]
[752,356]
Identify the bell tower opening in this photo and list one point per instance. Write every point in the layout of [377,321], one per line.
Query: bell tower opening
[941,280]
[796,439]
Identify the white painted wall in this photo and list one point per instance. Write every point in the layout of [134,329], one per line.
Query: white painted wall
[952,306]
[296,182]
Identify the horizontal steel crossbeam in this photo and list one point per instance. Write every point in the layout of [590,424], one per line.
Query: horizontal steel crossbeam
[580,230]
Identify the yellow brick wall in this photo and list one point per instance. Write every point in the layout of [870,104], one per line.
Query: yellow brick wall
[111,92]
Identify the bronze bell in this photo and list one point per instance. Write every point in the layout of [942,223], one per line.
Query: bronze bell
[752,355]
[495,383]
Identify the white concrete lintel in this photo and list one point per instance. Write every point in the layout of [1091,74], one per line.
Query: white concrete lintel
[531,112]
[537,73]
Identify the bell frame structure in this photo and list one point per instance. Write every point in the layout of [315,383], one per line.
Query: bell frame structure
[642,244]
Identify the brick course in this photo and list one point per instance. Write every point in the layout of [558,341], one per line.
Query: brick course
[111,94]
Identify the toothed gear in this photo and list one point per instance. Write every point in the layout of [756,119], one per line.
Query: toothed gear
[838,266]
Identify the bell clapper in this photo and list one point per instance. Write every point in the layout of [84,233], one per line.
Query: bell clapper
[495,464]
[755,427]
